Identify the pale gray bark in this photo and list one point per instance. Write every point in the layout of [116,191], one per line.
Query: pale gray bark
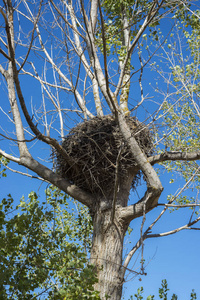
[154,186]
[61,183]
[106,254]
[173,156]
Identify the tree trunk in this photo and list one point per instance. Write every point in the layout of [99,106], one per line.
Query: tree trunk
[106,253]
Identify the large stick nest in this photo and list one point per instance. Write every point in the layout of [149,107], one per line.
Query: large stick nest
[94,146]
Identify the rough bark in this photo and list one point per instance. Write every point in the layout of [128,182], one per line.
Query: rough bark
[106,253]
[109,228]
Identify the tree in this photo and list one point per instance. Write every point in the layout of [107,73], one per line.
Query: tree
[41,253]
[83,58]
[163,293]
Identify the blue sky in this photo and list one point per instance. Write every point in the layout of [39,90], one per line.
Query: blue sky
[176,257]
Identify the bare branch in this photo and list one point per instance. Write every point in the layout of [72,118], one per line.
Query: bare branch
[149,18]
[48,175]
[187,226]
[4,54]
[74,28]
[136,210]
[146,235]
[24,174]
[179,205]
[173,156]
[93,14]
[95,60]
[79,50]
[154,186]
[3,71]
[39,135]
[10,157]
[10,82]
[32,36]
[114,105]
[60,73]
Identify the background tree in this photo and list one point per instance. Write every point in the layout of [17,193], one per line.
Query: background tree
[85,58]
[163,293]
[42,253]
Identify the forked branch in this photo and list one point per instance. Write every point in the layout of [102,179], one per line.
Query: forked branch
[146,235]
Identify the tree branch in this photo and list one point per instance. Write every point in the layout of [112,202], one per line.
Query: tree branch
[149,18]
[4,54]
[173,155]
[114,105]
[136,210]
[146,235]
[187,226]
[25,157]
[154,186]
[93,14]
[74,28]
[34,128]
[10,157]
[79,50]
[100,78]
[49,176]
[179,205]
[32,36]
[58,70]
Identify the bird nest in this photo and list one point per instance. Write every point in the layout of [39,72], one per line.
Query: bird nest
[94,147]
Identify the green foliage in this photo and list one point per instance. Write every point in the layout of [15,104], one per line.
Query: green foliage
[116,13]
[41,249]
[162,293]
[193,295]
[180,110]
[139,296]
[163,290]
[132,13]
[3,163]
